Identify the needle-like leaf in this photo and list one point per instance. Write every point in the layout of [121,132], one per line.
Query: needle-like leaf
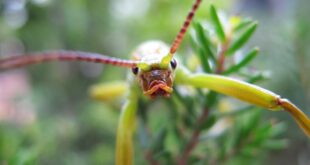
[248,58]
[217,24]
[204,40]
[208,123]
[242,39]
[202,54]
[241,25]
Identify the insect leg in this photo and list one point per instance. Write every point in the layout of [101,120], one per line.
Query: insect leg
[126,127]
[108,91]
[244,91]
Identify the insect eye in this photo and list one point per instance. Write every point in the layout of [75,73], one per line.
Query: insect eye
[135,70]
[173,63]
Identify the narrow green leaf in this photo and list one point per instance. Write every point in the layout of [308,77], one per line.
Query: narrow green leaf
[257,78]
[262,133]
[204,61]
[217,24]
[247,59]
[244,23]
[208,123]
[242,39]
[204,40]
[254,77]
[201,53]
[249,125]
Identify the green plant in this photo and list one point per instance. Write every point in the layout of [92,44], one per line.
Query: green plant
[204,127]
[175,142]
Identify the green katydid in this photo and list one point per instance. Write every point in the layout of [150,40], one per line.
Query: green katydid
[155,71]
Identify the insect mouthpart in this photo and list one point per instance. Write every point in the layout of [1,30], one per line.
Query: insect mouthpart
[158,88]
[157,82]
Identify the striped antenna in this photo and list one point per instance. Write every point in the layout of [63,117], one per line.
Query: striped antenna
[36,58]
[179,38]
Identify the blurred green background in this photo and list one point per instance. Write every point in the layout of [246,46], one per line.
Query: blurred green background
[45,110]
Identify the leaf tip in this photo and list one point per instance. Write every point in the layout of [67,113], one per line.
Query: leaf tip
[256,50]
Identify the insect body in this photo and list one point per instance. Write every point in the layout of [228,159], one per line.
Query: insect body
[156,71]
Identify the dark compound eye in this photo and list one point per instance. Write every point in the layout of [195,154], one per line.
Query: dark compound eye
[135,70]
[173,63]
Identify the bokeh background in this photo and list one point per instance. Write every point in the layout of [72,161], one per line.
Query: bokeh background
[45,110]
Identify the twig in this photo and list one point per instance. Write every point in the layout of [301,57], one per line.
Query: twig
[221,56]
[182,160]
[149,157]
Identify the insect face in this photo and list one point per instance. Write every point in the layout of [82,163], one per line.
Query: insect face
[156,82]
[154,76]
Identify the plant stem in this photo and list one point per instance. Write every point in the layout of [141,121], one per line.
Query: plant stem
[182,160]
[221,56]
[149,157]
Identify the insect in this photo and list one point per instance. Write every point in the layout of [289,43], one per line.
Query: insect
[155,71]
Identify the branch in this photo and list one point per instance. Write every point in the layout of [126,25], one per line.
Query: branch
[182,160]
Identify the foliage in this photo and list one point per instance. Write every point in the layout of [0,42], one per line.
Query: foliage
[84,132]
[204,127]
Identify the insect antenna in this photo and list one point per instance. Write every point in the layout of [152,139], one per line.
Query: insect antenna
[177,41]
[36,58]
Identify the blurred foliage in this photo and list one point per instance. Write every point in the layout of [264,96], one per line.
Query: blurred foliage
[69,128]
[204,127]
